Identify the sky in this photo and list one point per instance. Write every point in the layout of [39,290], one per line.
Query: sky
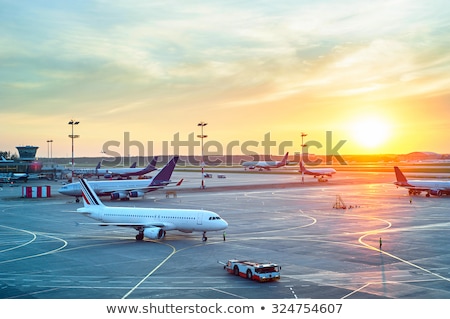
[358,77]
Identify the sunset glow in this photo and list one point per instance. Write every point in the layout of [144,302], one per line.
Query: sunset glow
[371,132]
[373,73]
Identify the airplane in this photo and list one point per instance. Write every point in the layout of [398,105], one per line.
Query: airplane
[86,172]
[125,189]
[118,172]
[267,165]
[151,223]
[415,187]
[4,160]
[12,177]
[127,172]
[317,172]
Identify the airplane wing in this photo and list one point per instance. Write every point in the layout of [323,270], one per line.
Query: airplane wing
[147,188]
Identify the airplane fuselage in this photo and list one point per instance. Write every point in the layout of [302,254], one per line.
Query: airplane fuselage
[431,187]
[124,172]
[104,188]
[320,171]
[261,164]
[266,164]
[184,220]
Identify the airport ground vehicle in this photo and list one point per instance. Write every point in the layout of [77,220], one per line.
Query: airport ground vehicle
[253,270]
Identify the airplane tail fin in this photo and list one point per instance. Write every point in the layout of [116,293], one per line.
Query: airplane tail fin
[153,161]
[133,165]
[90,198]
[284,160]
[302,167]
[149,168]
[401,179]
[165,173]
[98,165]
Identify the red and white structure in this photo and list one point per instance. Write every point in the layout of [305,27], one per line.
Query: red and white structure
[36,191]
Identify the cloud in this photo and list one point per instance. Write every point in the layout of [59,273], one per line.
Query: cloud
[113,60]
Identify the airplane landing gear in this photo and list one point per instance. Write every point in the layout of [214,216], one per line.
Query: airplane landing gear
[140,236]
[204,238]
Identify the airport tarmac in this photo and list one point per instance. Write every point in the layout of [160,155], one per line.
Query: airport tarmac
[325,253]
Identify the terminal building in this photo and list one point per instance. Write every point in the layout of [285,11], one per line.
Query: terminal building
[26,163]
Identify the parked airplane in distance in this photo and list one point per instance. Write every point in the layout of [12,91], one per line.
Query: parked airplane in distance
[318,173]
[415,187]
[151,223]
[116,172]
[4,160]
[267,165]
[84,172]
[127,172]
[126,189]
[13,177]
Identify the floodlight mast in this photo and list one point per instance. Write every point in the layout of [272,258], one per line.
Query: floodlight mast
[202,136]
[72,136]
[301,156]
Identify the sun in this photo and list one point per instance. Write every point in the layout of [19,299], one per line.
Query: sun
[371,132]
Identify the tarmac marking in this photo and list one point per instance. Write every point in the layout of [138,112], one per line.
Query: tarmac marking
[174,250]
[228,293]
[24,244]
[293,292]
[399,258]
[357,290]
[65,243]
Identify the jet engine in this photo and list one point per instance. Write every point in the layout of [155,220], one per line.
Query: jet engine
[154,233]
[136,194]
[119,195]
[436,192]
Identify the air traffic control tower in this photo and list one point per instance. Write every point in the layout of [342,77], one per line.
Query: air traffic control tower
[27,153]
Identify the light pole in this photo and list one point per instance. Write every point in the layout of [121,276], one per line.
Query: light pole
[202,136]
[49,143]
[72,136]
[301,156]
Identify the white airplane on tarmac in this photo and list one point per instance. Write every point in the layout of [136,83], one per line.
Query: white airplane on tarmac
[318,173]
[267,165]
[151,223]
[126,189]
[415,187]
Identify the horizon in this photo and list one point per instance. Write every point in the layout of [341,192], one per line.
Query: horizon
[342,159]
[374,74]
